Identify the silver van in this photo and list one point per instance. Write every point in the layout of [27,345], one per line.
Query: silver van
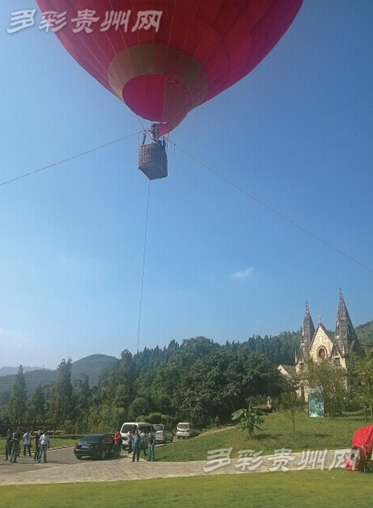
[128,427]
[163,433]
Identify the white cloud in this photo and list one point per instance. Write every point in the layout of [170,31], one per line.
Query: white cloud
[244,274]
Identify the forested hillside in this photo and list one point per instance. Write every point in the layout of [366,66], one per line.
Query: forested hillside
[365,334]
[195,380]
[91,366]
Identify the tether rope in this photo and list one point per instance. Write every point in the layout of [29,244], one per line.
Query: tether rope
[143,266]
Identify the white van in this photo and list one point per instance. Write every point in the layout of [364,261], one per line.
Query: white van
[183,430]
[163,433]
[131,427]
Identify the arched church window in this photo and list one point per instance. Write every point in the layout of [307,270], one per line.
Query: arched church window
[321,353]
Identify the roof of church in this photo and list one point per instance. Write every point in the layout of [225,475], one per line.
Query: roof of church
[345,337]
[344,331]
[308,328]
[290,369]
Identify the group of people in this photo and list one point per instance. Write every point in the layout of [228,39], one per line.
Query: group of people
[139,441]
[13,445]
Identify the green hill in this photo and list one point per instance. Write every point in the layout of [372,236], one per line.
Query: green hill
[365,334]
[91,365]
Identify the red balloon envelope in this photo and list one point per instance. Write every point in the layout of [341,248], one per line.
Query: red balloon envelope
[165,57]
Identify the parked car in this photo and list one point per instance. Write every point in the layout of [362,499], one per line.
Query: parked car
[185,430]
[96,446]
[131,427]
[163,433]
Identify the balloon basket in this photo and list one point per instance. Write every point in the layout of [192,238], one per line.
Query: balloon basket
[153,161]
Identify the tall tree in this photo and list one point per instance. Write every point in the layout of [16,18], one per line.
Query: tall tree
[291,403]
[61,404]
[82,395]
[362,382]
[36,406]
[18,400]
[333,381]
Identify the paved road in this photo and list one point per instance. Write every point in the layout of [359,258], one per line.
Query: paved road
[62,467]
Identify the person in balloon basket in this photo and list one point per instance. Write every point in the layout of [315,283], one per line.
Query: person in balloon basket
[154,133]
[136,446]
[43,446]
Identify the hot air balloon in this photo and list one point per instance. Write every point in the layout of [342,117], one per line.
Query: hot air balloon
[163,58]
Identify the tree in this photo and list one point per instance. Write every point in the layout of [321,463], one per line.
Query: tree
[18,400]
[249,418]
[36,406]
[81,403]
[138,408]
[61,403]
[362,382]
[333,381]
[291,403]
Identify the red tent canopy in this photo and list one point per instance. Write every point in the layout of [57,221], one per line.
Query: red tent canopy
[363,438]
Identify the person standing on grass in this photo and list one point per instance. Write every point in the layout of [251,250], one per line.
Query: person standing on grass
[27,443]
[16,445]
[129,441]
[8,444]
[143,441]
[117,444]
[151,443]
[37,445]
[43,445]
[136,446]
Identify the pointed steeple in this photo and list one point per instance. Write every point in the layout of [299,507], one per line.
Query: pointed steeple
[345,334]
[307,331]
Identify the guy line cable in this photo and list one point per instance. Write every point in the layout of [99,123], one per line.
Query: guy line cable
[76,156]
[269,208]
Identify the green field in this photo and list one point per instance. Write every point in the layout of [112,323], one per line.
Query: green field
[311,434]
[263,490]
[257,490]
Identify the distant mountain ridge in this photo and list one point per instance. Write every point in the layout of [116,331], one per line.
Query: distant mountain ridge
[9,371]
[91,365]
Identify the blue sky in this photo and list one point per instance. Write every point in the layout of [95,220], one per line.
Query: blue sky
[295,135]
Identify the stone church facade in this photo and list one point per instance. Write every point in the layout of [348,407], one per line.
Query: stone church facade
[318,344]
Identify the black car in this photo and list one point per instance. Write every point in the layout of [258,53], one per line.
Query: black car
[97,446]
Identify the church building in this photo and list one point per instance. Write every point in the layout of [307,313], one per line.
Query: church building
[318,344]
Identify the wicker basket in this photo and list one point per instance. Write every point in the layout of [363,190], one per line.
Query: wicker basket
[153,161]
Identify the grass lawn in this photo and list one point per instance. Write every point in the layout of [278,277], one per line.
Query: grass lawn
[263,490]
[310,434]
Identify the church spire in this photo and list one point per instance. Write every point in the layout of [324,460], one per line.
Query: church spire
[308,329]
[345,333]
